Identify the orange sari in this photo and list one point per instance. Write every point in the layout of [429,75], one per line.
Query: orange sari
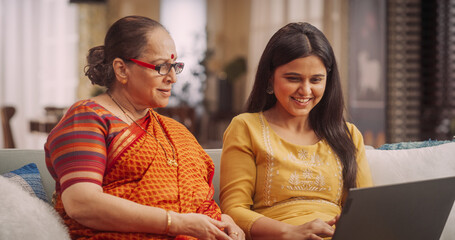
[137,170]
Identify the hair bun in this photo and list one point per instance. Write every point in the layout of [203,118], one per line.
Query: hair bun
[97,69]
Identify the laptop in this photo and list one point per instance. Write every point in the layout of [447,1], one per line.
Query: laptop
[414,210]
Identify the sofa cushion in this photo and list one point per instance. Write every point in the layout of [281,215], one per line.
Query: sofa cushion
[28,177]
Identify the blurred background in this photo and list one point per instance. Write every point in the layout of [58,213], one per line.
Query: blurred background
[396,59]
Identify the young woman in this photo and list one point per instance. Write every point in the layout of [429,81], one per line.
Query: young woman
[287,162]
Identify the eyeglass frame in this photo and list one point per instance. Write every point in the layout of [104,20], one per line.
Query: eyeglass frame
[158,67]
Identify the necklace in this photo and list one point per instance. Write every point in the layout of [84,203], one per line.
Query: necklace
[170,162]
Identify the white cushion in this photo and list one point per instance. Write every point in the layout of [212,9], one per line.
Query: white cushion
[398,166]
[27,217]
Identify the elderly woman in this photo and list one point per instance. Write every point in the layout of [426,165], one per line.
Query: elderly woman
[123,171]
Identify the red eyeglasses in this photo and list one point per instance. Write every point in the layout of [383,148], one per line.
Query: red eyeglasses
[164,68]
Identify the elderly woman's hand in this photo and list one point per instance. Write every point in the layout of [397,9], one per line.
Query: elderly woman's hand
[234,231]
[199,226]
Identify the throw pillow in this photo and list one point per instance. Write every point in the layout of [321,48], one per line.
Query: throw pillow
[26,217]
[410,145]
[406,165]
[29,178]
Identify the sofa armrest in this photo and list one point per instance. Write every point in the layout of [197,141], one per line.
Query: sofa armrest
[215,154]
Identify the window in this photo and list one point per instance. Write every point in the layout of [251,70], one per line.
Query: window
[186,21]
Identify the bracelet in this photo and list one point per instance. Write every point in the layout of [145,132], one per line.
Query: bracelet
[169,221]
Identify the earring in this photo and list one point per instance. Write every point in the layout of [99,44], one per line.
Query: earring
[124,82]
[269,90]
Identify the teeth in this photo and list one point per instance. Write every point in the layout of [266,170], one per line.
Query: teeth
[302,100]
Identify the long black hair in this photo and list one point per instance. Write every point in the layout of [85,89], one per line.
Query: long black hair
[298,40]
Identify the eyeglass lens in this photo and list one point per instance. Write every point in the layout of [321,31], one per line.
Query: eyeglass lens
[165,68]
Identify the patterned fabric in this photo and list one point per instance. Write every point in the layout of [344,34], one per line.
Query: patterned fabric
[136,168]
[79,143]
[29,178]
[410,145]
[264,175]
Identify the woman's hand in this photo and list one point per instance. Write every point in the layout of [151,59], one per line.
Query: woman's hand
[314,230]
[197,225]
[234,231]
[267,228]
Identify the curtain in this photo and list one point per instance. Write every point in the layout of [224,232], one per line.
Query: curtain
[38,62]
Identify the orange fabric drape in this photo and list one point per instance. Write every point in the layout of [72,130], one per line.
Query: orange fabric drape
[138,171]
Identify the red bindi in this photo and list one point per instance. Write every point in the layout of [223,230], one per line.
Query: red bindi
[172,56]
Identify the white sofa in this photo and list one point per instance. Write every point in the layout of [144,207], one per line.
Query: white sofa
[387,167]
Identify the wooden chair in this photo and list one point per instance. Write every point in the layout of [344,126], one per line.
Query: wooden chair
[7,112]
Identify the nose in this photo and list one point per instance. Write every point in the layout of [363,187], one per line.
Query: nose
[171,76]
[305,88]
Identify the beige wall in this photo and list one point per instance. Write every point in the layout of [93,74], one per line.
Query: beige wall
[121,8]
[92,28]
[228,36]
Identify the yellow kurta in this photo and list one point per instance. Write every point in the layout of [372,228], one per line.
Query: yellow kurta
[263,175]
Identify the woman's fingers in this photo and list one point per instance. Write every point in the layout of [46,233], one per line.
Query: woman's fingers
[236,235]
[320,228]
[314,237]
[333,221]
[223,235]
[201,227]
[218,224]
[234,231]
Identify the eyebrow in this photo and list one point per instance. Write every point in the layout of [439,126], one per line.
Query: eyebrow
[163,59]
[298,74]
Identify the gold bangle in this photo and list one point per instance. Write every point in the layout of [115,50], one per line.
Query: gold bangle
[169,221]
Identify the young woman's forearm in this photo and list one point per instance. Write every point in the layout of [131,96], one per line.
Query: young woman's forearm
[266,228]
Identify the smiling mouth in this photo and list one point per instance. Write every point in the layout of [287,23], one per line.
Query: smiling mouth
[300,100]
